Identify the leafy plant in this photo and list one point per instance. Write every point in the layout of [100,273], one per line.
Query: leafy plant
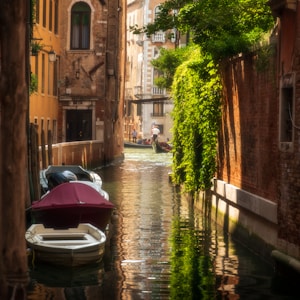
[167,63]
[222,28]
[33,86]
[35,48]
[196,93]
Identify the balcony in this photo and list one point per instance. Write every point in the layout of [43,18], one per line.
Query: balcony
[158,91]
[159,37]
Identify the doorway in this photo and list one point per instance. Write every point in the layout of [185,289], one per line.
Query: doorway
[78,125]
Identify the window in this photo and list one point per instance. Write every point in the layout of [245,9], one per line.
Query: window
[161,128]
[159,36]
[43,74]
[56,17]
[286,132]
[36,67]
[286,109]
[80,26]
[156,12]
[55,79]
[50,15]
[128,105]
[44,13]
[158,109]
[139,109]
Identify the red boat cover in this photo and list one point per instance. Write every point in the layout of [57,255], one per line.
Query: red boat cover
[71,194]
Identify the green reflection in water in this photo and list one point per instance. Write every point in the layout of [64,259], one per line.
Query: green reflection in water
[191,276]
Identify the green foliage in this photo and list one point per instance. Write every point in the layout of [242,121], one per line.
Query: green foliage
[33,86]
[196,93]
[222,28]
[32,16]
[167,63]
[263,57]
[35,47]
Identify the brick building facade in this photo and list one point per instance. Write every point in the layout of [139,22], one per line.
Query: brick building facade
[257,187]
[92,70]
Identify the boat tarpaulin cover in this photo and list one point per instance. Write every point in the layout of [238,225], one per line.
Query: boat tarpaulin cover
[71,194]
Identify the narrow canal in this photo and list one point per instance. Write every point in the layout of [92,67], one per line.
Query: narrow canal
[160,248]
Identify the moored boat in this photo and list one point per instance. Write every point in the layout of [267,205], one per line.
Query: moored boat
[136,145]
[71,203]
[71,247]
[160,147]
[57,174]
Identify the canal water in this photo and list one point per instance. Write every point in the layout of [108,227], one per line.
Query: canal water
[159,247]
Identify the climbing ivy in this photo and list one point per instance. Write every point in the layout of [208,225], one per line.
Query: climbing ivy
[196,92]
[222,29]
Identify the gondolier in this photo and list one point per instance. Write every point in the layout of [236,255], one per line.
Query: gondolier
[155,133]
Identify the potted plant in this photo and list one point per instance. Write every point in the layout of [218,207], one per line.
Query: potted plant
[35,47]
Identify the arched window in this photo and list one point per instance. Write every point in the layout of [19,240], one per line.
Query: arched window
[157,10]
[80,26]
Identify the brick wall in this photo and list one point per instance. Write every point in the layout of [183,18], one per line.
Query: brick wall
[289,204]
[248,139]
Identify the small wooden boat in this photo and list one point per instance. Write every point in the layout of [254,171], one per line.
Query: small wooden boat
[160,147]
[71,203]
[57,174]
[135,145]
[71,247]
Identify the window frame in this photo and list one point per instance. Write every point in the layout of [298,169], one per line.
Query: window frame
[83,32]
[286,112]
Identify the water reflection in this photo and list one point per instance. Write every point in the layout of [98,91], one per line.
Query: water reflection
[160,247]
[144,205]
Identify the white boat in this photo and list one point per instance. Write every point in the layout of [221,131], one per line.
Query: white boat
[57,174]
[78,246]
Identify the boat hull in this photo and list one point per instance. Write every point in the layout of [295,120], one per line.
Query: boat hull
[161,147]
[65,217]
[70,247]
[135,145]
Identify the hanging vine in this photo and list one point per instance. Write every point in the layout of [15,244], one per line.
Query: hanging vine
[196,92]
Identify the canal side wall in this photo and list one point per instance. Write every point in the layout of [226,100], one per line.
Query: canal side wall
[89,154]
[251,219]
